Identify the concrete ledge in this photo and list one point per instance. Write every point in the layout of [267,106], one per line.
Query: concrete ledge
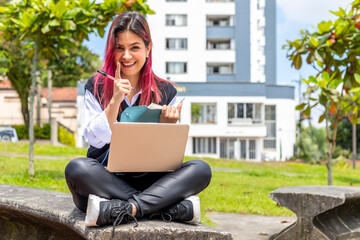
[28,213]
[323,212]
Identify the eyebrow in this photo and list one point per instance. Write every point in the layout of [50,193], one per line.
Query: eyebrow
[135,43]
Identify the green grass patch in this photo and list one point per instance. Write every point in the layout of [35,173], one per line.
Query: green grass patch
[244,189]
[42,149]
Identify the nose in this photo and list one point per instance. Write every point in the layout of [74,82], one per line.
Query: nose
[127,54]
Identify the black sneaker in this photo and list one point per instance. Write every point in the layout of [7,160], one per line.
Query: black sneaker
[101,211]
[187,211]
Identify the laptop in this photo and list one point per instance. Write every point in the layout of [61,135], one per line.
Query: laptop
[147,147]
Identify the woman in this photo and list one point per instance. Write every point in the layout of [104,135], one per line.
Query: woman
[119,198]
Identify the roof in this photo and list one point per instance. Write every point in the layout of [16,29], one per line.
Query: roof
[5,84]
[67,94]
[64,94]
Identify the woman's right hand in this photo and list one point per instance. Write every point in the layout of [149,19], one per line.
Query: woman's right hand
[122,87]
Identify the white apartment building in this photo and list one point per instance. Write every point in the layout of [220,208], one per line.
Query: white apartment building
[222,55]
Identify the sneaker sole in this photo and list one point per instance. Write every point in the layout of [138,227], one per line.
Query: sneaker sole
[92,210]
[196,204]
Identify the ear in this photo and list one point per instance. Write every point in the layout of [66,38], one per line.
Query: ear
[148,49]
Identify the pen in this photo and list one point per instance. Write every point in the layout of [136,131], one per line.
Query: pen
[182,100]
[109,76]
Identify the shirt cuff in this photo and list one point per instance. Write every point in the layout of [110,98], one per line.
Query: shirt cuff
[98,131]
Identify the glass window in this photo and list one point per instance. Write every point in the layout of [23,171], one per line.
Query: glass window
[246,111]
[203,113]
[220,44]
[204,145]
[176,43]
[270,122]
[227,147]
[176,67]
[219,21]
[176,20]
[222,68]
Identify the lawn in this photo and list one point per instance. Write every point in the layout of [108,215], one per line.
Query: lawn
[244,189]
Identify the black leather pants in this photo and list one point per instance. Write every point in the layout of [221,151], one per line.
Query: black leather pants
[149,192]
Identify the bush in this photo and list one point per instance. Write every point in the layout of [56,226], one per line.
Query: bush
[21,131]
[42,132]
[65,137]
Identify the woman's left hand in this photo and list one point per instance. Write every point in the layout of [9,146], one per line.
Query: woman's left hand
[170,114]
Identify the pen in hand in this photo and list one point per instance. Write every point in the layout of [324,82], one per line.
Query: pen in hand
[109,76]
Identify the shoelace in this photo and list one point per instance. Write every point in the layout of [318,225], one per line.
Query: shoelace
[163,216]
[120,218]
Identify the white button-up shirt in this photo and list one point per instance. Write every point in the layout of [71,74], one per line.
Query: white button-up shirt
[96,127]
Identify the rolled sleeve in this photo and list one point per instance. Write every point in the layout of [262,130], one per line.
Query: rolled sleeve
[96,128]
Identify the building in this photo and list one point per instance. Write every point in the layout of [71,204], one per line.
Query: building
[64,108]
[222,55]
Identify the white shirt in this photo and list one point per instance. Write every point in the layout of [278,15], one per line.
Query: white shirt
[96,127]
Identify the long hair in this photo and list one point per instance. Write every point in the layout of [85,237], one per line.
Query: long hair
[103,87]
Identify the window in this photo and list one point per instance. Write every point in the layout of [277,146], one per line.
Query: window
[219,21]
[245,112]
[204,145]
[176,20]
[270,122]
[235,148]
[176,43]
[221,68]
[176,67]
[221,44]
[203,113]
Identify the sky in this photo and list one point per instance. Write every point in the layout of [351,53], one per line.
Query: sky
[291,17]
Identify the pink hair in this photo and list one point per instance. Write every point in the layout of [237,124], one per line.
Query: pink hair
[135,22]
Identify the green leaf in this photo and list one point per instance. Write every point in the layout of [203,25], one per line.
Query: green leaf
[357,77]
[314,41]
[323,100]
[313,79]
[72,13]
[321,118]
[18,22]
[355,90]
[297,61]
[307,111]
[101,32]
[300,106]
[324,26]
[68,25]
[318,56]
[310,58]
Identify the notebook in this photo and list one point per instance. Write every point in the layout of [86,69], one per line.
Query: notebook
[147,147]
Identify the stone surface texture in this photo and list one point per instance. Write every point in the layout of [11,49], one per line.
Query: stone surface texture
[35,214]
[323,212]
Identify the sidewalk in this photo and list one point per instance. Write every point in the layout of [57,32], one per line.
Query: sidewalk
[250,227]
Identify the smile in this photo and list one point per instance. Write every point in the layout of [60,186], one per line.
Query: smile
[128,64]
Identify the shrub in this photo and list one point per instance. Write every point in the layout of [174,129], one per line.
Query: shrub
[65,137]
[21,131]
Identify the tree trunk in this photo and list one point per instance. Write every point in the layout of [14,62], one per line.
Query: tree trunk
[38,99]
[354,145]
[329,152]
[49,78]
[31,117]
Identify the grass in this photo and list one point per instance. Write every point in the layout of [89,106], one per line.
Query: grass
[244,189]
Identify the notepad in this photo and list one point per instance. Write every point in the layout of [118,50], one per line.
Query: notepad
[149,113]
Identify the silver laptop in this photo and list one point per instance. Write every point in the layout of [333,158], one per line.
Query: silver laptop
[147,147]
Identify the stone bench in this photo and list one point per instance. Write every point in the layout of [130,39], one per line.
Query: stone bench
[323,212]
[28,213]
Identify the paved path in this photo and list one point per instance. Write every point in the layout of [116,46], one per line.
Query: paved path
[250,227]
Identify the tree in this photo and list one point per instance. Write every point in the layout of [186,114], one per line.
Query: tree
[333,50]
[51,27]
[313,144]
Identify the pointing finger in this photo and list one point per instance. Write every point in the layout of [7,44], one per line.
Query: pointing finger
[118,70]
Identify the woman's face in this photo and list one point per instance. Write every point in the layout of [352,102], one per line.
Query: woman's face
[131,52]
